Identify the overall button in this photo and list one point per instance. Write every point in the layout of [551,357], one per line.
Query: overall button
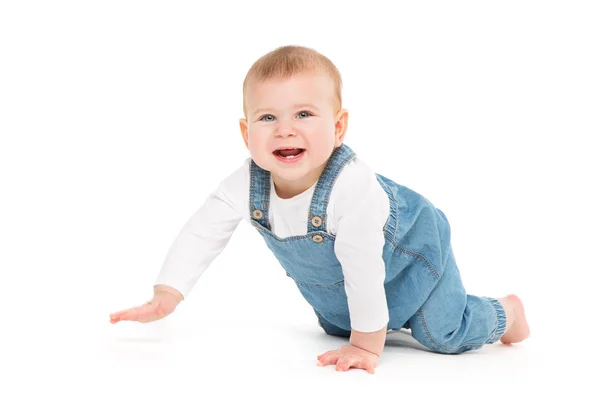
[316,221]
[257,214]
[317,238]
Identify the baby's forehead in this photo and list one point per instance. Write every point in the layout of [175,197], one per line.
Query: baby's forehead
[315,86]
[307,87]
[281,80]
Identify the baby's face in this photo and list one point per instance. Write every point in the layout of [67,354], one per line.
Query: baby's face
[292,126]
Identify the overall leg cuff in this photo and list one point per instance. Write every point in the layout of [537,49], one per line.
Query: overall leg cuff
[501,321]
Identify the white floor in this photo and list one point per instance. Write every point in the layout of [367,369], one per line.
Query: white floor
[187,357]
[246,331]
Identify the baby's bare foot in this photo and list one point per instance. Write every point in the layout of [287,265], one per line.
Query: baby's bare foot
[517,328]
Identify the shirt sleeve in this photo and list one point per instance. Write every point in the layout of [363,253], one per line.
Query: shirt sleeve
[361,210]
[206,233]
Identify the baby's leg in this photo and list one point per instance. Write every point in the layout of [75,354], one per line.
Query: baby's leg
[331,329]
[450,321]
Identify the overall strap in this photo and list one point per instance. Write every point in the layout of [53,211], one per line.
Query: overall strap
[260,193]
[317,215]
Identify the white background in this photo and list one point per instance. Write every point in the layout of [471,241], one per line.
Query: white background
[117,119]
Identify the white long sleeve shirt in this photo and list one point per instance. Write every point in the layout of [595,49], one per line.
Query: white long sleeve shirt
[357,211]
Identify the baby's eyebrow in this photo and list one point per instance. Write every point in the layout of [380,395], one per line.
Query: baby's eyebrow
[305,105]
[269,110]
[261,111]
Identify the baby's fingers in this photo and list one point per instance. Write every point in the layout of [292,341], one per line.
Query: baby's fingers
[368,366]
[345,363]
[331,357]
[144,313]
[116,316]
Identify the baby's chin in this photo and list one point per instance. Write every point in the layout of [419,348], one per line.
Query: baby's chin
[288,174]
[289,170]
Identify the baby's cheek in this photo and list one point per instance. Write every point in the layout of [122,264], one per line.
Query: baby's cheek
[260,156]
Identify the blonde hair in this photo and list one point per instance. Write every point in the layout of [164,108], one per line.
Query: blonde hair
[287,61]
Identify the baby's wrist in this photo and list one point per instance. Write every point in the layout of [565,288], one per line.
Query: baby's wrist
[371,342]
[371,352]
[168,289]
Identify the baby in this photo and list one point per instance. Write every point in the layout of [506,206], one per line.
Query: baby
[369,255]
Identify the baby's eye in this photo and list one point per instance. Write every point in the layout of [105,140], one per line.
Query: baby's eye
[267,118]
[304,114]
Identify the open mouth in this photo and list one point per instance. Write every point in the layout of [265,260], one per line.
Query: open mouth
[289,153]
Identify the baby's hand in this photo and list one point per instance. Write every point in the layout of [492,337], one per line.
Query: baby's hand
[349,356]
[164,303]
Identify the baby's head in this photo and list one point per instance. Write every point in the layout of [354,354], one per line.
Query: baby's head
[292,100]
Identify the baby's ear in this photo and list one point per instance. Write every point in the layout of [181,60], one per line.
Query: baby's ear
[244,130]
[341,125]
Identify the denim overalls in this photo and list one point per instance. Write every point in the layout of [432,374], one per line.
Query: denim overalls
[423,287]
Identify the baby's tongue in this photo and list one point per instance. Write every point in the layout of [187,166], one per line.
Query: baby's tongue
[290,152]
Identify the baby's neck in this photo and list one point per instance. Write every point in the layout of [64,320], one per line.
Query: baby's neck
[287,190]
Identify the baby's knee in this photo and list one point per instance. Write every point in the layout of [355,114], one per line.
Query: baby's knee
[333,330]
[437,340]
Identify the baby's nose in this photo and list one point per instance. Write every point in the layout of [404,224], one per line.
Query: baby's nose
[285,129]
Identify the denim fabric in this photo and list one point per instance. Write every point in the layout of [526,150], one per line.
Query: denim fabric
[423,286]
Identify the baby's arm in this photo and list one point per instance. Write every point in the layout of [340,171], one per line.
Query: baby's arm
[201,239]
[361,210]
